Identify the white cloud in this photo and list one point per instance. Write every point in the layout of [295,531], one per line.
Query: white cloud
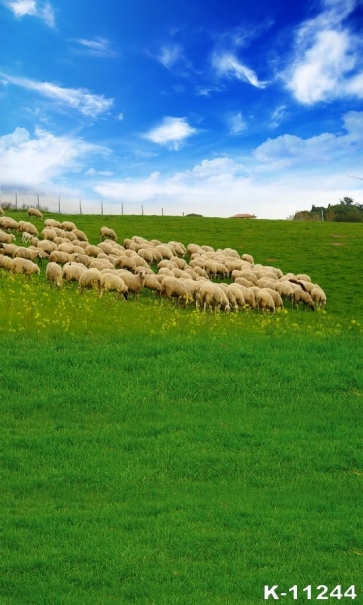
[97,47]
[170,54]
[94,172]
[32,162]
[32,8]
[324,149]
[81,99]
[172,133]
[327,60]
[227,65]
[120,116]
[236,123]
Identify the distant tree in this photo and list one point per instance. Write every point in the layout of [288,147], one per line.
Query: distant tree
[347,201]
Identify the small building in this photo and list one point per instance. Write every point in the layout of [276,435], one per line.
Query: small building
[243,216]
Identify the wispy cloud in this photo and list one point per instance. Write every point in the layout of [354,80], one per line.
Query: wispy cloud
[31,162]
[97,47]
[327,61]
[42,10]
[324,149]
[236,123]
[94,172]
[172,133]
[81,99]
[170,54]
[227,65]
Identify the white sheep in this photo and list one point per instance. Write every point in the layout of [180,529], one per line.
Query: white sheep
[49,234]
[26,238]
[22,265]
[91,250]
[318,296]
[68,226]
[135,283]
[90,278]
[304,297]
[107,232]
[264,300]
[172,287]
[29,227]
[6,238]
[5,262]
[80,235]
[248,258]
[73,271]
[114,283]
[6,222]
[53,274]
[35,212]
[211,295]
[59,257]
[51,222]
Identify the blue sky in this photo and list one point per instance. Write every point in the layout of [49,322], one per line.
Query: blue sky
[210,107]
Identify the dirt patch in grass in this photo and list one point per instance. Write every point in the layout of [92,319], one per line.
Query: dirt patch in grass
[338,244]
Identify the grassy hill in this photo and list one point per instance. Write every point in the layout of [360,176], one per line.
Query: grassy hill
[154,455]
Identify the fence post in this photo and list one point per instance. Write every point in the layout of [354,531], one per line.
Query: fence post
[59,204]
[16,200]
[142,210]
[122,208]
[102,207]
[162,212]
[80,206]
[38,200]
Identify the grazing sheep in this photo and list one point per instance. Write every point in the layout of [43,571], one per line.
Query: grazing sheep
[165,251]
[29,227]
[211,295]
[304,297]
[114,283]
[248,295]
[264,300]
[64,247]
[152,283]
[22,265]
[59,257]
[125,262]
[80,235]
[53,274]
[51,222]
[8,249]
[135,283]
[90,278]
[6,222]
[172,287]
[73,271]
[243,282]
[105,247]
[285,289]
[248,258]
[26,237]
[276,298]
[178,248]
[6,238]
[109,233]
[318,296]
[238,294]
[101,264]
[5,262]
[81,258]
[35,212]
[28,253]
[46,245]
[49,234]
[68,226]
[92,251]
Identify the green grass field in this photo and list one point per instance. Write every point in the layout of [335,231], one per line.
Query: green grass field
[155,455]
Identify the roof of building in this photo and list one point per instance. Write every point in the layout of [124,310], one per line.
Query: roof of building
[243,216]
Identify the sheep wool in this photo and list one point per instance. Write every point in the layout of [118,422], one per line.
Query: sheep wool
[109,233]
[22,265]
[53,274]
[35,212]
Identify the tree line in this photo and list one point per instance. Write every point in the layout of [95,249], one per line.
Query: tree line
[346,211]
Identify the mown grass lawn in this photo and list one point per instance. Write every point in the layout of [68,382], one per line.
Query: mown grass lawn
[157,456]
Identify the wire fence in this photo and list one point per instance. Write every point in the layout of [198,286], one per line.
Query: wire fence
[66,205]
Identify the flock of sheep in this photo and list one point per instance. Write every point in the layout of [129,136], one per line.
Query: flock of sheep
[126,269]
